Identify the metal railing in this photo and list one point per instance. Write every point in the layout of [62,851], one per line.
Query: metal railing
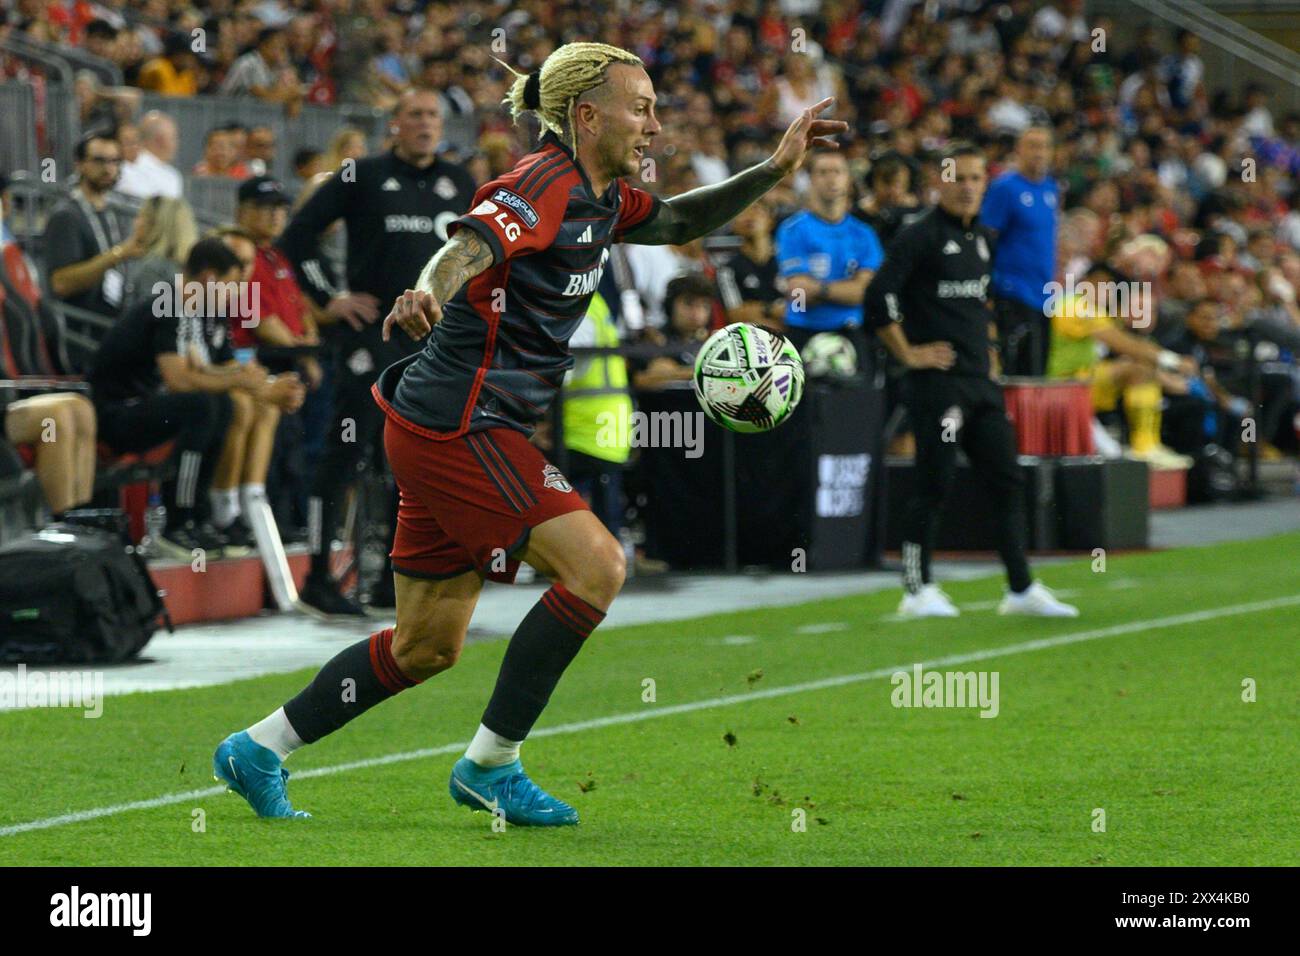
[74,58]
[312,126]
[1239,54]
[18,129]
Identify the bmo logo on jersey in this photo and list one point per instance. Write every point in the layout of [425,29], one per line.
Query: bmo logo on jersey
[963,288]
[585,283]
[408,224]
[420,224]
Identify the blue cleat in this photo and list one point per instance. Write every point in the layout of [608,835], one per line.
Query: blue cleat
[254,772]
[508,790]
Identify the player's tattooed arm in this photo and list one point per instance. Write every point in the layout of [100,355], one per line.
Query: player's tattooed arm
[463,257]
[700,211]
[418,310]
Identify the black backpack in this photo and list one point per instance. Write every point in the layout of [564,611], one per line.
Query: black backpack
[76,593]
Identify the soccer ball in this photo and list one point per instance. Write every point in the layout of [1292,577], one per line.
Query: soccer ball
[748,379]
[828,355]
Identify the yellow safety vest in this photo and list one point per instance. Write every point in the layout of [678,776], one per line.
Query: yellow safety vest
[597,406]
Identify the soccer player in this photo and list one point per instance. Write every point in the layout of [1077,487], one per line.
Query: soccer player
[929,305]
[502,298]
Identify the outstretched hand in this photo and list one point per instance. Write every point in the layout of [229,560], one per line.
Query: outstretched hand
[804,133]
[415,313]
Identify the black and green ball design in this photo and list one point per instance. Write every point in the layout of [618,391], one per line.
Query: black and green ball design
[748,379]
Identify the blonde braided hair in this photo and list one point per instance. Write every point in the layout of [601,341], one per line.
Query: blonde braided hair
[552,93]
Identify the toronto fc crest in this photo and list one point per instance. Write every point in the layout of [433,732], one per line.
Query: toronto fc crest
[553,478]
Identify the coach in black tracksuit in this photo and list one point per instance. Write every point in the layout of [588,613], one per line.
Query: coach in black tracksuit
[928,303]
[396,207]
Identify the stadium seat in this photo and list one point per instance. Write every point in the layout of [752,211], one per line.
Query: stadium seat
[44,349]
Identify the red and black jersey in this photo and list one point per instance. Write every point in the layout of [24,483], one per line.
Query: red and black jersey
[500,352]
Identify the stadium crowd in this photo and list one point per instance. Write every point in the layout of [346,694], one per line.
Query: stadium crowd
[1156,180]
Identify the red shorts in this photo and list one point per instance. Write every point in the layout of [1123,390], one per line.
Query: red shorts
[470,502]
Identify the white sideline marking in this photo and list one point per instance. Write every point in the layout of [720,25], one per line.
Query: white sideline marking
[825,628]
[633,717]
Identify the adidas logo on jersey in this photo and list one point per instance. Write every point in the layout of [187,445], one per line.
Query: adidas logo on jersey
[586,235]
[950,248]
[391,185]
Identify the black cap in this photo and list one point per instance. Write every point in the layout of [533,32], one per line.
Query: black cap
[263,190]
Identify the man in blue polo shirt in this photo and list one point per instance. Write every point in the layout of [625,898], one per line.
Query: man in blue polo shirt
[827,258]
[1022,206]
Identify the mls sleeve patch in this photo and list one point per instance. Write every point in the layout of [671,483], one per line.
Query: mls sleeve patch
[518,205]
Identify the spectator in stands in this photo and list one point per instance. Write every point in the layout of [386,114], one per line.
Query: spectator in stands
[1136,369]
[60,427]
[128,138]
[1022,206]
[98,109]
[169,233]
[285,315]
[890,197]
[221,155]
[827,258]
[652,268]
[347,145]
[101,39]
[1184,71]
[259,150]
[266,73]
[240,482]
[689,303]
[310,56]
[285,320]
[151,173]
[1203,343]
[306,163]
[239,137]
[175,71]
[85,244]
[1184,287]
[1258,121]
[802,83]
[387,71]
[750,282]
[162,373]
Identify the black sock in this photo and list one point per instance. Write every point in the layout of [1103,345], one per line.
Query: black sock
[330,701]
[546,642]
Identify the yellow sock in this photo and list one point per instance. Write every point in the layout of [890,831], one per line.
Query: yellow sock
[1142,409]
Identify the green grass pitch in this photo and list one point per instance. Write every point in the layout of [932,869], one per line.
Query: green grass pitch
[1140,716]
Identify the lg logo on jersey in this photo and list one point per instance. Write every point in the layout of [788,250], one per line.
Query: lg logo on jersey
[487,207]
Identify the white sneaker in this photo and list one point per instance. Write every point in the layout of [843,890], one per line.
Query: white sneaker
[1036,600]
[1161,458]
[927,602]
